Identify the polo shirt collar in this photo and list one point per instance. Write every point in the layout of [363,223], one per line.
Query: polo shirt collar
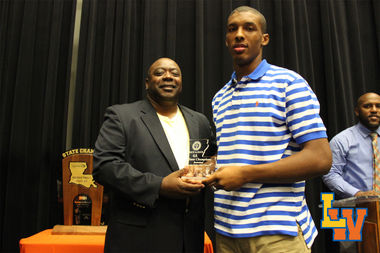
[256,74]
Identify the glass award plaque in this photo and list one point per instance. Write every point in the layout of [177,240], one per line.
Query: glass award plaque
[200,165]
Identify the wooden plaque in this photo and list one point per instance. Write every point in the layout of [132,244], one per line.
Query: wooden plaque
[78,230]
[81,194]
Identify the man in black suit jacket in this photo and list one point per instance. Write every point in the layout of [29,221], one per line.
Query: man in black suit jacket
[152,208]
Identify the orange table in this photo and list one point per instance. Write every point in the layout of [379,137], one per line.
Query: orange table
[45,242]
[208,245]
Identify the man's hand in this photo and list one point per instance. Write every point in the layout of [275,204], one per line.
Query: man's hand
[228,178]
[173,186]
[367,193]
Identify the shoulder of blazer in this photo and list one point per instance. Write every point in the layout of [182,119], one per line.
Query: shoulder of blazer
[189,113]
[137,107]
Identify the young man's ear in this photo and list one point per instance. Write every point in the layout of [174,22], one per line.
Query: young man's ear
[265,40]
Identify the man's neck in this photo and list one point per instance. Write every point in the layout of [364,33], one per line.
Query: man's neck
[371,129]
[244,70]
[165,108]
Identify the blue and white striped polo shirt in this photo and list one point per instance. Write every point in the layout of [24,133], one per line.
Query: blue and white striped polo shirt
[261,119]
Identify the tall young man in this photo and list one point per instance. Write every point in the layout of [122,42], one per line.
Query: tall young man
[270,139]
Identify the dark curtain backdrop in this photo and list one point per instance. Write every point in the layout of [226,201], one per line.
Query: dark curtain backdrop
[334,44]
[35,44]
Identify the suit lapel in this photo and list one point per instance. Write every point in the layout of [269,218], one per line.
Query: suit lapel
[152,122]
[190,122]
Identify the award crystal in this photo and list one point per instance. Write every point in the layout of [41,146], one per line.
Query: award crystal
[200,165]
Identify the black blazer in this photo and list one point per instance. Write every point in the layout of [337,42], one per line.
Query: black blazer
[131,157]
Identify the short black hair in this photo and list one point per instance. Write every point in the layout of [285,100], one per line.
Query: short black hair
[361,98]
[243,8]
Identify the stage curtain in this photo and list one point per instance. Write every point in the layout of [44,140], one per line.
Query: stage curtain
[35,44]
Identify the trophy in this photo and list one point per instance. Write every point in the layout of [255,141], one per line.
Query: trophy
[200,164]
[82,196]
